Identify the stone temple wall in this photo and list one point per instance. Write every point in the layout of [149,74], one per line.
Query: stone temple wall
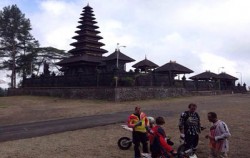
[111,94]
[80,93]
[142,93]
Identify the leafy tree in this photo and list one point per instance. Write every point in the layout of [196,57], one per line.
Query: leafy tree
[30,64]
[51,55]
[16,41]
[26,64]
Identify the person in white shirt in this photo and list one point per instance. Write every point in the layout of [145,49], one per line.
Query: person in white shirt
[218,136]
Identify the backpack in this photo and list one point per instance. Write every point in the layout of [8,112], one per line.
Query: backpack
[155,146]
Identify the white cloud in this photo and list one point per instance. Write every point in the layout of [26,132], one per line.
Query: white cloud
[55,23]
[55,8]
[214,63]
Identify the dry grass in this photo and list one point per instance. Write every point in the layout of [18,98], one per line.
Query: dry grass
[102,141]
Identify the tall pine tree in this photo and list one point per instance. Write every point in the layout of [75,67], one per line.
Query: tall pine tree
[16,41]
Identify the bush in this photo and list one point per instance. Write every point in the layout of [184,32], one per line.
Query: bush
[3,92]
[127,81]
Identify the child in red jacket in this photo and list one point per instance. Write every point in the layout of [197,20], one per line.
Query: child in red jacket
[158,141]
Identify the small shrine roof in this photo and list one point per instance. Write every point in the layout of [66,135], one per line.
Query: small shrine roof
[224,75]
[145,64]
[174,67]
[120,56]
[207,75]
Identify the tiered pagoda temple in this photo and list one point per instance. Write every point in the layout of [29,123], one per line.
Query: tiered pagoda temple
[87,54]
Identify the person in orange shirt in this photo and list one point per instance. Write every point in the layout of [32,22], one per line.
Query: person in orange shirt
[138,121]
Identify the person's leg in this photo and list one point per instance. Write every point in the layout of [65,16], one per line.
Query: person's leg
[222,155]
[212,154]
[144,141]
[217,154]
[165,155]
[154,155]
[188,141]
[136,141]
[195,141]
[191,141]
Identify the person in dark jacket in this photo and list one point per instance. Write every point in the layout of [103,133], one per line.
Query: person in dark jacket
[189,126]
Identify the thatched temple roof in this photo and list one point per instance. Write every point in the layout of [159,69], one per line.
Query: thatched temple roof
[145,64]
[226,76]
[120,56]
[207,75]
[175,68]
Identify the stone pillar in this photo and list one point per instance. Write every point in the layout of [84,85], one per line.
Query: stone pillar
[116,77]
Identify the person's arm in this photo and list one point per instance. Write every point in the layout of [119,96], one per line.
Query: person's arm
[130,122]
[146,121]
[224,130]
[163,142]
[165,145]
[181,124]
[199,123]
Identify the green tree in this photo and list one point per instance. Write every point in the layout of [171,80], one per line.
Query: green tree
[16,41]
[51,55]
[25,64]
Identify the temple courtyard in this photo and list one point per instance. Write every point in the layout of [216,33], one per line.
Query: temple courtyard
[101,141]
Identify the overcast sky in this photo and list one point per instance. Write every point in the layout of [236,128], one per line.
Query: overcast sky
[199,34]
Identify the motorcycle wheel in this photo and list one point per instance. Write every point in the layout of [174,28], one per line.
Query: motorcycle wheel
[180,150]
[124,143]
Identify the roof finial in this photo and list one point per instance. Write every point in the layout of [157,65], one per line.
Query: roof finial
[88,4]
[145,56]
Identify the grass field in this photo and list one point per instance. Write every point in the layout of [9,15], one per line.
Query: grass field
[102,141]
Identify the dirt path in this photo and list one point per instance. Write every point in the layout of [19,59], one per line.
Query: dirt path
[29,130]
